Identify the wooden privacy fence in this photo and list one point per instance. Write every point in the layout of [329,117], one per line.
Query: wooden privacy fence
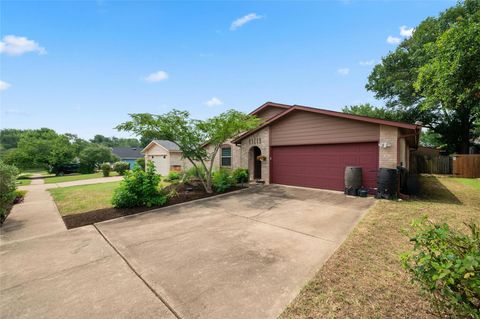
[466,165]
[427,164]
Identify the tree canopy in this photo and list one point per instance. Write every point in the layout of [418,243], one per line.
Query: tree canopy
[434,75]
[192,135]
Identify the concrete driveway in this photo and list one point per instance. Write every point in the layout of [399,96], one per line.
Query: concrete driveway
[242,255]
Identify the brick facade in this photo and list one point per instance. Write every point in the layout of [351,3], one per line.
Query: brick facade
[388,156]
[261,140]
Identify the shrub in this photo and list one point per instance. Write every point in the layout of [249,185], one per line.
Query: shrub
[174,176]
[140,162]
[139,188]
[446,263]
[19,196]
[195,172]
[121,167]
[8,175]
[240,175]
[106,168]
[222,180]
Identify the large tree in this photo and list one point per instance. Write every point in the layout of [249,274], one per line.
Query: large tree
[434,75]
[92,156]
[41,148]
[115,141]
[192,136]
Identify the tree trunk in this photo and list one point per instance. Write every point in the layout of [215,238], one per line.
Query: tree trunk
[464,142]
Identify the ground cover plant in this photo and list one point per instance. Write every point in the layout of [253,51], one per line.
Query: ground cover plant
[446,264]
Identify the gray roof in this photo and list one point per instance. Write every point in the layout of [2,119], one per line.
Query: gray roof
[168,145]
[127,152]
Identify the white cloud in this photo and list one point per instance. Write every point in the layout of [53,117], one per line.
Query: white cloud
[367,62]
[405,32]
[213,102]
[343,71]
[4,85]
[243,20]
[393,40]
[14,45]
[157,76]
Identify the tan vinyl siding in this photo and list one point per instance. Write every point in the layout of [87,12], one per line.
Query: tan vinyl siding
[301,128]
[269,112]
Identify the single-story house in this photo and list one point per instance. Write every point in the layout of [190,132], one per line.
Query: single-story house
[165,155]
[127,154]
[305,146]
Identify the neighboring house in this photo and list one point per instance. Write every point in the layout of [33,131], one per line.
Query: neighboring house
[165,155]
[304,146]
[127,154]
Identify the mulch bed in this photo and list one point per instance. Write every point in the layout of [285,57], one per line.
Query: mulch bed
[100,215]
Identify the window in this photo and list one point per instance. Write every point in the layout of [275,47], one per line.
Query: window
[226,157]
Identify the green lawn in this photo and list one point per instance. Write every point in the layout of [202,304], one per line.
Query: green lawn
[23,182]
[74,177]
[78,199]
[84,198]
[364,277]
[474,182]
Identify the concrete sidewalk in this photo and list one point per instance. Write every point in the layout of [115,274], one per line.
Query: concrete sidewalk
[36,216]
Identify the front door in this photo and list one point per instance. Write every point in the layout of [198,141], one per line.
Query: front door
[257,167]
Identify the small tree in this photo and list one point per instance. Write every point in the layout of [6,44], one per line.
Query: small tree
[191,135]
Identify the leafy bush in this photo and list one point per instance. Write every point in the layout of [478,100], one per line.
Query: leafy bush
[139,188]
[8,175]
[140,162]
[174,176]
[19,196]
[194,172]
[121,167]
[446,263]
[106,168]
[222,180]
[240,175]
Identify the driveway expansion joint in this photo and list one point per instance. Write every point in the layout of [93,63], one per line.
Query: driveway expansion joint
[282,227]
[162,300]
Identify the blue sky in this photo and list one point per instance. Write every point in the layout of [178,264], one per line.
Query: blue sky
[81,67]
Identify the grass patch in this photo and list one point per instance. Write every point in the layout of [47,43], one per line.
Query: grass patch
[78,199]
[23,182]
[364,278]
[85,198]
[473,182]
[75,177]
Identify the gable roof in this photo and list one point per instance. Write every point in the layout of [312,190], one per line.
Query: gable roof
[270,104]
[127,152]
[168,145]
[294,108]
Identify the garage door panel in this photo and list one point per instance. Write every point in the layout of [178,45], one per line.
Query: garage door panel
[323,166]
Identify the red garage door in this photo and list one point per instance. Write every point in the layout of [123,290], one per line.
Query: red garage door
[323,166]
